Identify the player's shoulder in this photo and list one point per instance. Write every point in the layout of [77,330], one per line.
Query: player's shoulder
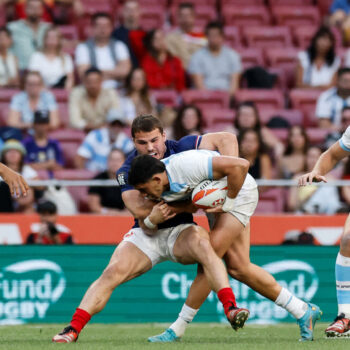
[185,143]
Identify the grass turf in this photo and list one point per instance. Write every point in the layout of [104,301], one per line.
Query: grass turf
[198,336]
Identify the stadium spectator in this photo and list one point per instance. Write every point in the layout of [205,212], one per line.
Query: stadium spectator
[253,149]
[189,121]
[137,95]
[65,11]
[334,136]
[108,200]
[43,153]
[110,56]
[318,65]
[247,117]
[163,70]
[55,66]
[9,75]
[293,160]
[94,151]
[28,34]
[48,231]
[331,102]
[34,97]
[130,31]
[340,11]
[90,103]
[12,155]
[216,66]
[313,199]
[184,41]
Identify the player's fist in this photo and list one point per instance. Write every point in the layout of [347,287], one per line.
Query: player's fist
[311,177]
[160,213]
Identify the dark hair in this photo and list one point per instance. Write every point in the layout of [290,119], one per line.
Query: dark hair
[214,25]
[289,148]
[179,130]
[5,30]
[186,5]
[252,105]
[47,207]
[148,42]
[262,147]
[146,123]
[342,71]
[92,70]
[98,15]
[116,149]
[144,93]
[312,50]
[143,168]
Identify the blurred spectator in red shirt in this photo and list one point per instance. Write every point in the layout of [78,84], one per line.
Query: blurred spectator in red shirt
[130,31]
[163,70]
[48,231]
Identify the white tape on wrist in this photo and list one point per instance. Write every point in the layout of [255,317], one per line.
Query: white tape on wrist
[148,223]
[228,204]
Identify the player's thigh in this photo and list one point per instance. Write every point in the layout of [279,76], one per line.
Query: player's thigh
[345,238]
[127,262]
[237,256]
[227,228]
[189,242]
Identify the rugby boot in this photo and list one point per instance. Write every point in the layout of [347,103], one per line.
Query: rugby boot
[237,317]
[308,321]
[340,327]
[168,336]
[68,335]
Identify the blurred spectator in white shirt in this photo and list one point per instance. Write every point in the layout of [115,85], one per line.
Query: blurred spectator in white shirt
[318,65]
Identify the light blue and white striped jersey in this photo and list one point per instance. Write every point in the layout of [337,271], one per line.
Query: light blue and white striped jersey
[186,170]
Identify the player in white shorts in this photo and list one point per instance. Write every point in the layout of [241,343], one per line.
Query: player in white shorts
[174,181]
[327,161]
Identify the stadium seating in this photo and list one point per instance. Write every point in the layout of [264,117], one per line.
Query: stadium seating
[251,56]
[324,6]
[206,98]
[194,2]
[4,112]
[214,116]
[294,16]
[246,15]
[303,35]
[232,36]
[264,99]
[68,135]
[292,116]
[267,36]
[61,95]
[152,17]
[69,149]
[166,97]
[7,93]
[241,2]
[317,136]
[299,3]
[305,101]
[271,201]
[63,112]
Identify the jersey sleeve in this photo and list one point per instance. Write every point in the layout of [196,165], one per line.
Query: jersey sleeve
[344,142]
[123,173]
[188,143]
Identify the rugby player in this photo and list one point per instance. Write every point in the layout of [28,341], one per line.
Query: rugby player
[327,161]
[18,186]
[173,179]
[179,238]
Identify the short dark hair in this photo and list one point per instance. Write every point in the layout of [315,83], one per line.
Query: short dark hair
[214,25]
[146,123]
[344,70]
[98,15]
[4,29]
[92,70]
[47,207]
[143,168]
[186,5]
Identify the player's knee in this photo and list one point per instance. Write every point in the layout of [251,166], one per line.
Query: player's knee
[345,242]
[115,273]
[238,272]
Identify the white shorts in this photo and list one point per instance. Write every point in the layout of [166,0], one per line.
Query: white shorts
[159,247]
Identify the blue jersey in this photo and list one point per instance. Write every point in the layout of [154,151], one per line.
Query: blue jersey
[172,147]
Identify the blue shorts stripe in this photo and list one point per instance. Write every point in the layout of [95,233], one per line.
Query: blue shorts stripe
[342,273]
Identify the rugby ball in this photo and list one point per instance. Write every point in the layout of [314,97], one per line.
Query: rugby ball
[209,194]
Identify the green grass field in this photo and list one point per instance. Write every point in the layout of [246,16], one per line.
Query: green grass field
[198,336]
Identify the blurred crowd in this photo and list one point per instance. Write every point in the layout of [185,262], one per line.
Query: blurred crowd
[75,73]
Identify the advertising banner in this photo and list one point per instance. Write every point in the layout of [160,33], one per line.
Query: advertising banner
[100,229]
[40,284]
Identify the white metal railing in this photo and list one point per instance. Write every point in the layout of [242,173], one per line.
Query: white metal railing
[106,183]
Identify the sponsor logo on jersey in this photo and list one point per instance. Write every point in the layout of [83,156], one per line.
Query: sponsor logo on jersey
[121,179]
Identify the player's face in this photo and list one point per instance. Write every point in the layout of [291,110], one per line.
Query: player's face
[152,189]
[151,143]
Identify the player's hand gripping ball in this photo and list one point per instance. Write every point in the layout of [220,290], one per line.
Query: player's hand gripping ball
[210,194]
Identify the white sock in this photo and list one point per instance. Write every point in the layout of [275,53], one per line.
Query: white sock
[291,303]
[185,317]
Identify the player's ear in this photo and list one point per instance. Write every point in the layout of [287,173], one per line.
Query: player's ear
[156,178]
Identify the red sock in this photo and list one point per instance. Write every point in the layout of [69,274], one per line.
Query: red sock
[80,319]
[227,298]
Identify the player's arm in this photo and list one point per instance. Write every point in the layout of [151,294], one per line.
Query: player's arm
[324,165]
[15,181]
[235,169]
[139,206]
[223,142]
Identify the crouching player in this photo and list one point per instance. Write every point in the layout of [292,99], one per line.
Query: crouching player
[172,180]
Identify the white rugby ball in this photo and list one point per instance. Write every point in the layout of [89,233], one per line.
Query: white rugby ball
[210,193]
